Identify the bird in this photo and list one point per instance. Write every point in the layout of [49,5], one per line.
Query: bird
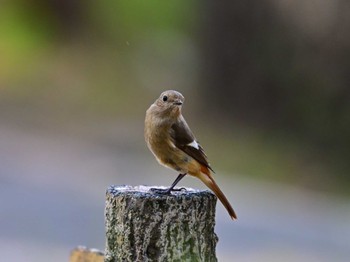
[173,144]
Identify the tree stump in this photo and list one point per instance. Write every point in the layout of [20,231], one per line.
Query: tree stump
[145,226]
[83,254]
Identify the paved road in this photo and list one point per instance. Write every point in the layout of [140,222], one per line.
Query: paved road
[52,186]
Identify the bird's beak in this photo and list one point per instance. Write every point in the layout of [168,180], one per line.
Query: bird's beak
[178,103]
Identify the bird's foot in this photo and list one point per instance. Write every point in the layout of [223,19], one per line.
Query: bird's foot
[166,191]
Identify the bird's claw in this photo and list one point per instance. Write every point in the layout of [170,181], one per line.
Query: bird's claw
[166,191]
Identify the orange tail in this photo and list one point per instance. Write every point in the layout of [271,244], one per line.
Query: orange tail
[208,180]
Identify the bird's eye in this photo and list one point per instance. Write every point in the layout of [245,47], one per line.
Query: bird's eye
[165,98]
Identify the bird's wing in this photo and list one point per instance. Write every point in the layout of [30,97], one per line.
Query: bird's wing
[184,139]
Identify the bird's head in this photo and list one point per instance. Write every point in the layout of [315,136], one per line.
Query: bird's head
[170,101]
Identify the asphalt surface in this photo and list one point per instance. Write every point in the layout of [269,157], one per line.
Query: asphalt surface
[52,186]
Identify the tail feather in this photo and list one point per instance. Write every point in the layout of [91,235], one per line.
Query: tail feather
[209,181]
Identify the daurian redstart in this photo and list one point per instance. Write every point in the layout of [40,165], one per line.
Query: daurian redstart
[173,144]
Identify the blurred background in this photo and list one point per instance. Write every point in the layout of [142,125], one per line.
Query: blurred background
[267,95]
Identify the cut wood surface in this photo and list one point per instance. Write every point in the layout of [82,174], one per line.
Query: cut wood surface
[83,254]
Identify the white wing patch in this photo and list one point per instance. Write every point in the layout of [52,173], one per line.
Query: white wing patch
[194,144]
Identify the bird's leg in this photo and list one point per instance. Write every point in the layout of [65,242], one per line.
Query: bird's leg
[167,191]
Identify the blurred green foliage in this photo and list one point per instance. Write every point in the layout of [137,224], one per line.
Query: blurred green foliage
[132,19]
[110,59]
[22,40]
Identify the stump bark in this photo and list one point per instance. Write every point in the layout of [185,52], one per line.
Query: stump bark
[145,226]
